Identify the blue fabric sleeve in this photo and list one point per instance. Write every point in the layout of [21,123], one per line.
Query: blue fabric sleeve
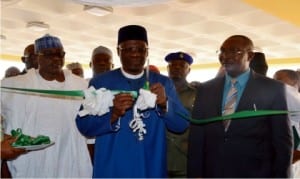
[174,122]
[91,126]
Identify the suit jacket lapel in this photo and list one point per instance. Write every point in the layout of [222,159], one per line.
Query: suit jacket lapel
[247,93]
[218,99]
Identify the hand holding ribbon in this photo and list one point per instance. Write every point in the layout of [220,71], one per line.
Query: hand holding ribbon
[161,97]
[121,103]
[146,99]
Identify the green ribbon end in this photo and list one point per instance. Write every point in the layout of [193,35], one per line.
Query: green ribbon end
[238,115]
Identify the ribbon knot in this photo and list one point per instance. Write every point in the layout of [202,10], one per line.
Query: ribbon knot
[146,100]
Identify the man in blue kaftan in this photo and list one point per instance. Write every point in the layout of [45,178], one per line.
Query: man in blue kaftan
[119,152]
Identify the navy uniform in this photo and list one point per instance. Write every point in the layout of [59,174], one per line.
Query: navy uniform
[178,68]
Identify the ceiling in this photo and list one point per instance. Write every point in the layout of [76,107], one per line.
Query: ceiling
[194,26]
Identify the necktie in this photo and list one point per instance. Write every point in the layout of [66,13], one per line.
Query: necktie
[230,103]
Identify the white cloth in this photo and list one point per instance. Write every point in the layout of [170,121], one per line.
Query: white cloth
[296,170]
[51,116]
[91,140]
[145,100]
[293,103]
[96,102]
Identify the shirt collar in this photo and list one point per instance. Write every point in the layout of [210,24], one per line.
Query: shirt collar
[130,76]
[241,79]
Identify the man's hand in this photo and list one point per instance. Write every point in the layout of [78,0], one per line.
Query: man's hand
[121,103]
[9,152]
[159,90]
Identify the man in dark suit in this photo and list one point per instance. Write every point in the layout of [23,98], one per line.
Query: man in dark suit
[252,147]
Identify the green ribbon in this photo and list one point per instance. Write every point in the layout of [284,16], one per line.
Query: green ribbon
[76,93]
[26,140]
[238,115]
[146,85]
[133,93]
[73,93]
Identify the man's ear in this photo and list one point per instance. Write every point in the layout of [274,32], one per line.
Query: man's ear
[250,55]
[168,67]
[147,53]
[23,59]
[118,51]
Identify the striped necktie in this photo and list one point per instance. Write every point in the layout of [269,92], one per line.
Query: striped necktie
[230,103]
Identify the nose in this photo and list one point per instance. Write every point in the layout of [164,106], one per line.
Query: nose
[56,59]
[176,66]
[136,53]
[226,56]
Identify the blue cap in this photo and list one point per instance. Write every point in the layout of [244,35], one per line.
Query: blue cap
[47,41]
[179,56]
[132,32]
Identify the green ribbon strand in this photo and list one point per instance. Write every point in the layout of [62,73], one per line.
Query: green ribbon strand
[238,115]
[73,93]
[76,93]
[26,140]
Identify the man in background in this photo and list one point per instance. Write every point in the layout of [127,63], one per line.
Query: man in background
[259,63]
[12,71]
[178,69]
[29,58]
[291,79]
[76,69]
[101,60]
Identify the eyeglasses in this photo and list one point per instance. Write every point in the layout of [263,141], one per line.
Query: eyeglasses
[30,56]
[141,50]
[50,54]
[232,52]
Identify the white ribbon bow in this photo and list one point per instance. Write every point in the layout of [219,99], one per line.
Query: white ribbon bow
[145,101]
[96,102]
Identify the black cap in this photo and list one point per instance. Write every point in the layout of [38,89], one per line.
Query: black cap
[132,32]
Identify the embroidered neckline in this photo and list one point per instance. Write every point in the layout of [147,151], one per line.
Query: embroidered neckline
[130,76]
